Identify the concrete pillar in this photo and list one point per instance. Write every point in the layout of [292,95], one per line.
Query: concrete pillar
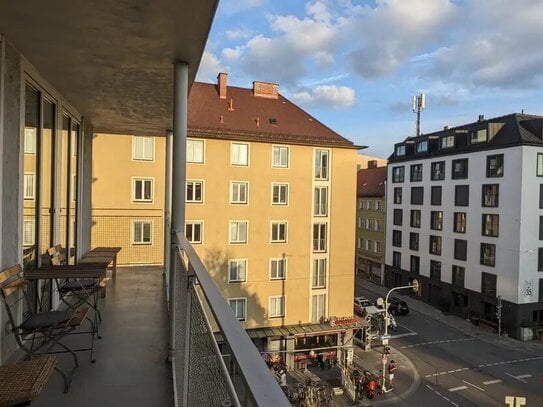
[168,210]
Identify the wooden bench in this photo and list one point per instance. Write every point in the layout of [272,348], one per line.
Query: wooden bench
[22,382]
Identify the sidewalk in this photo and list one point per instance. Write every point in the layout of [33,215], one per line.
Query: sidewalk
[532,347]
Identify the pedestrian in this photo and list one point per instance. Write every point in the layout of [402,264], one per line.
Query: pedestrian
[391,369]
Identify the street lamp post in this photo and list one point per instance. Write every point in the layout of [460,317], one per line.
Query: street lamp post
[415,287]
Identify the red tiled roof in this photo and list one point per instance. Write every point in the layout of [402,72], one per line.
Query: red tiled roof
[210,116]
[370,182]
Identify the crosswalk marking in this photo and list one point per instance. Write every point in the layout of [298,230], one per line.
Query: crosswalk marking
[458,388]
[492,382]
[471,384]
[436,342]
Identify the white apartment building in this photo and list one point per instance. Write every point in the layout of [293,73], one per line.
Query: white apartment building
[465,217]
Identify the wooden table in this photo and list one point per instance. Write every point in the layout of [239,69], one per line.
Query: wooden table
[22,382]
[94,270]
[101,255]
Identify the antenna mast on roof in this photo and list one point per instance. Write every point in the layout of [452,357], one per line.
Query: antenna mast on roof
[419,103]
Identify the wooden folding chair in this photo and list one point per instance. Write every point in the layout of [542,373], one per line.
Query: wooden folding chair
[41,332]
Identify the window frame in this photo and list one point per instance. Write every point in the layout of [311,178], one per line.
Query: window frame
[499,169]
[238,223]
[491,200]
[397,217]
[191,142]
[437,174]
[322,245]
[238,184]
[465,168]
[280,148]
[244,302]
[398,174]
[240,277]
[414,241]
[397,238]
[280,186]
[194,223]
[415,173]
[141,222]
[321,299]
[26,177]
[490,259]
[434,194]
[438,245]
[322,172]
[445,142]
[539,165]
[458,271]
[419,149]
[194,183]
[144,180]
[283,305]
[494,230]
[415,193]
[320,208]
[236,158]
[398,194]
[456,224]
[275,228]
[457,196]
[436,224]
[460,249]
[434,270]
[397,259]
[142,139]
[318,275]
[413,219]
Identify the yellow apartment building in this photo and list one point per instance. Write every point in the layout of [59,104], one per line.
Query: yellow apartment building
[371,223]
[268,209]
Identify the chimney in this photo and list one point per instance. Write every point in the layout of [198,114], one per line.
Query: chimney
[481,117]
[222,79]
[445,127]
[265,90]
[372,164]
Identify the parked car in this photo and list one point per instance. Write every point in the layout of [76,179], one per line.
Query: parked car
[360,303]
[397,306]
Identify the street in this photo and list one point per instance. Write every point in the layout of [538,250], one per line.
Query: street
[460,370]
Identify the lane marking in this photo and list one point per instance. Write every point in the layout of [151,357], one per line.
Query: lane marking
[471,384]
[441,395]
[524,376]
[403,335]
[505,362]
[515,377]
[435,342]
[458,388]
[492,382]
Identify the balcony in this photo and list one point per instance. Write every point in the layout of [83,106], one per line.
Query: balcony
[136,365]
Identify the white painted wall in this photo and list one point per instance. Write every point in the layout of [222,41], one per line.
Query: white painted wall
[507,244]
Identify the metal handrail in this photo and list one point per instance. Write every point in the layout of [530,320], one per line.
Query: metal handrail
[264,389]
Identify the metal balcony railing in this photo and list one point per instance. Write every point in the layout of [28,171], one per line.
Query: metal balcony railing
[203,376]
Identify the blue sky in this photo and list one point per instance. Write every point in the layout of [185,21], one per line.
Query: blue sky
[355,65]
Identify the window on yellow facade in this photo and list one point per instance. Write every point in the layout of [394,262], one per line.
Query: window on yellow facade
[280,157]
[143,148]
[277,306]
[142,232]
[239,154]
[237,270]
[319,273]
[194,232]
[318,307]
[239,306]
[195,151]
[279,194]
[143,190]
[195,191]
[278,269]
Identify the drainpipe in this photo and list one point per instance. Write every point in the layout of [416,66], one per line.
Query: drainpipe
[168,214]
[2,67]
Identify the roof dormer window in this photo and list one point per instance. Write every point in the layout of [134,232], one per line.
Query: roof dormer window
[422,146]
[447,142]
[400,151]
[479,136]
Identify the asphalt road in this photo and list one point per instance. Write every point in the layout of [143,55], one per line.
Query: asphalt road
[460,370]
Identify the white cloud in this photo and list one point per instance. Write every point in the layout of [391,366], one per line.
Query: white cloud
[231,54]
[238,33]
[389,34]
[318,10]
[210,66]
[326,95]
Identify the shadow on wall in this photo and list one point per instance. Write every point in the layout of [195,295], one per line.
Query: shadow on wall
[216,262]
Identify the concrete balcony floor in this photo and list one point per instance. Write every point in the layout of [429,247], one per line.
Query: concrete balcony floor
[130,368]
